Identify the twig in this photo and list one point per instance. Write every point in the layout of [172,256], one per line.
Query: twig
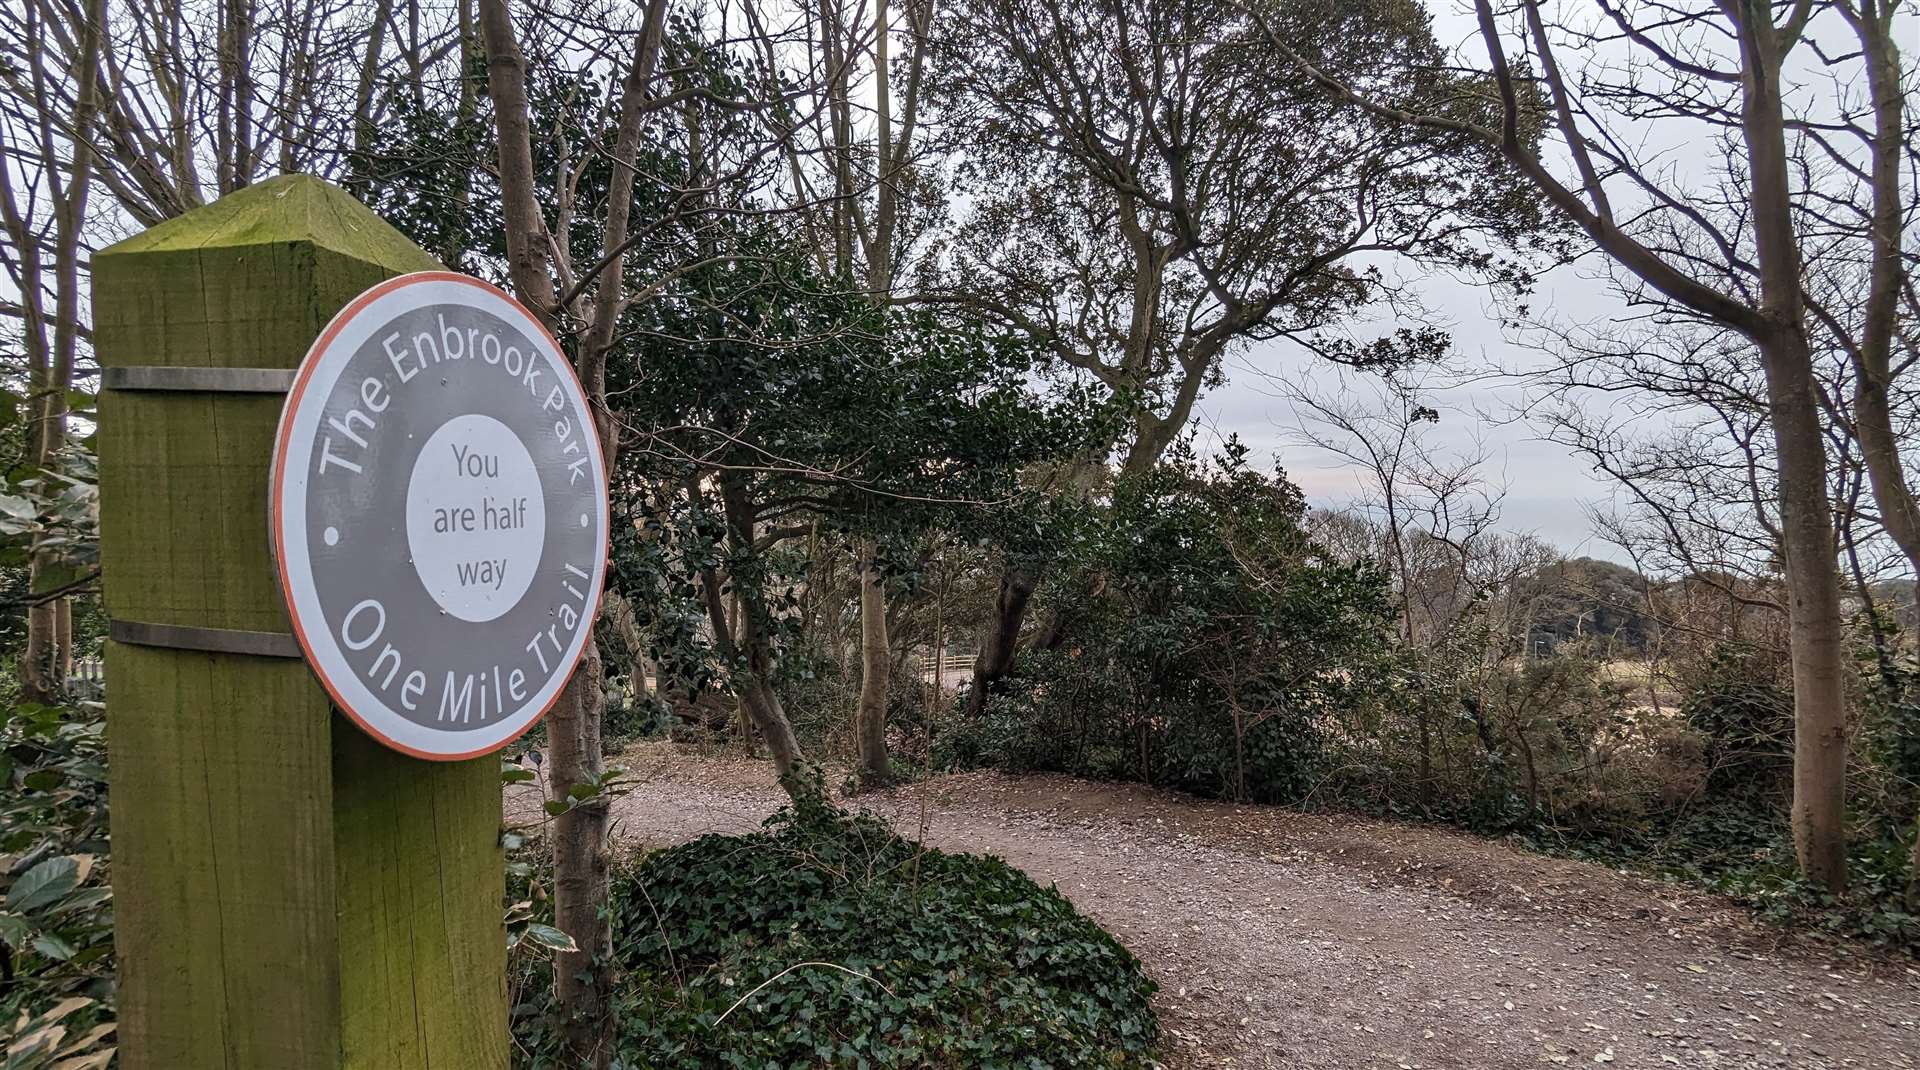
[790,969]
[76,587]
[665,940]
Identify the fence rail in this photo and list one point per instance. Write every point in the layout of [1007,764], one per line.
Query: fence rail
[952,665]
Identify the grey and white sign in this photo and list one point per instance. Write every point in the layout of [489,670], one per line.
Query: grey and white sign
[439,515]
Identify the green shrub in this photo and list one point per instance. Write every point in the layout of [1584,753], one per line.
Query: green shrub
[1210,649]
[632,717]
[818,693]
[56,918]
[825,940]
[1742,700]
[1743,849]
[1889,732]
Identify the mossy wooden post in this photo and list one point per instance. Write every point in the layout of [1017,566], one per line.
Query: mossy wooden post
[288,894]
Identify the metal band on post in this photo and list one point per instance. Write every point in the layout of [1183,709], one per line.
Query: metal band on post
[210,640]
[199,380]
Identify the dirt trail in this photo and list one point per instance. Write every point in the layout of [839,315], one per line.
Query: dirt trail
[1288,940]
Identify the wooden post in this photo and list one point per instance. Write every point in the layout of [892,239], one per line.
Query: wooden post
[288,894]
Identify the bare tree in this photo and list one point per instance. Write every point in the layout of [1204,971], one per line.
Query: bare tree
[1428,512]
[1729,253]
[197,99]
[110,117]
[43,257]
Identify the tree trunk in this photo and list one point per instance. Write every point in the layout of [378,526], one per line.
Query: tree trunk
[940,644]
[1426,757]
[995,659]
[48,653]
[39,682]
[528,245]
[1806,516]
[1872,420]
[870,717]
[763,707]
[1239,755]
[63,640]
[1533,768]
[749,639]
[1813,620]
[639,678]
[619,614]
[743,724]
[1913,873]
[582,979]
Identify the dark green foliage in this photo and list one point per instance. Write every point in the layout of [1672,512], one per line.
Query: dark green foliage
[1744,849]
[1583,599]
[55,510]
[1741,699]
[1207,653]
[767,404]
[817,691]
[630,717]
[1892,726]
[419,171]
[827,941]
[873,951]
[56,911]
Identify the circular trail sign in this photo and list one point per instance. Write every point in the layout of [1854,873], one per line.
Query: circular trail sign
[439,515]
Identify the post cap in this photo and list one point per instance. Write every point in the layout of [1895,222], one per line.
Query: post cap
[290,208]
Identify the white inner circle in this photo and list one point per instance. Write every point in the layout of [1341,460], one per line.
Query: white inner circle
[476,518]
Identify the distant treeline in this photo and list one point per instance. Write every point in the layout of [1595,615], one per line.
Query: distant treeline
[1585,599]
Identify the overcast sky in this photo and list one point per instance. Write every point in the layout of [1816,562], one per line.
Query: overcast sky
[1548,489]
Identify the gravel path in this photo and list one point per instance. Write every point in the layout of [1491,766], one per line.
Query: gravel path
[1289,940]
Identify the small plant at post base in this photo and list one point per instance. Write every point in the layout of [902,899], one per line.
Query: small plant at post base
[56,920]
